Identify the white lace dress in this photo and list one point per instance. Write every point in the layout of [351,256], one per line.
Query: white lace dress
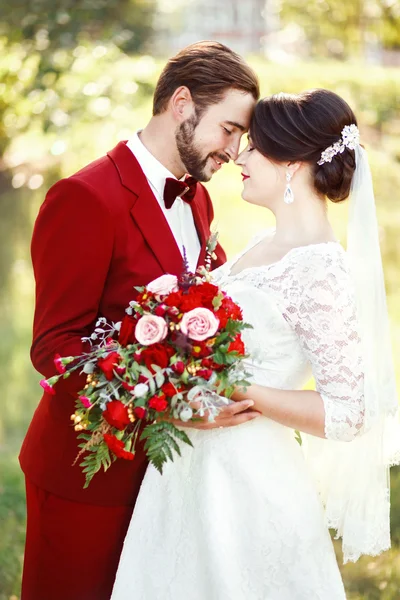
[238,517]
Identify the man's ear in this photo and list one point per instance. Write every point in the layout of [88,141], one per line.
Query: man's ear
[181,104]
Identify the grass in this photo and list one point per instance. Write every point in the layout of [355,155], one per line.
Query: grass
[12,519]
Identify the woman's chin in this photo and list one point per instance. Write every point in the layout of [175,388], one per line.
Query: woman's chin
[247,197]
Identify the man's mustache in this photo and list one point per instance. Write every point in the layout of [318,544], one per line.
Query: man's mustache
[221,157]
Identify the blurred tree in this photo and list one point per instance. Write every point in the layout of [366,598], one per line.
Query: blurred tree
[48,25]
[391,23]
[341,28]
[39,41]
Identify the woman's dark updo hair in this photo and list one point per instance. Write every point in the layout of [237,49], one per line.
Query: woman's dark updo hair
[299,127]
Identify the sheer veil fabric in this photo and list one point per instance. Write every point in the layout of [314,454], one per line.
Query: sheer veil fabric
[353,477]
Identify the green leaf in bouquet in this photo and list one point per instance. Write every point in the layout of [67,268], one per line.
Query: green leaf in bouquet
[134,371]
[160,441]
[140,402]
[219,357]
[231,358]
[84,436]
[115,391]
[217,301]
[96,458]
[185,377]
[160,378]
[145,371]
[223,337]
[174,400]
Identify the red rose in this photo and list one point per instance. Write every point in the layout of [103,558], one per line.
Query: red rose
[117,447]
[108,363]
[208,292]
[169,389]
[127,331]
[237,345]
[178,367]
[116,414]
[158,403]
[157,354]
[174,299]
[205,373]
[191,300]
[139,412]
[233,310]
[222,317]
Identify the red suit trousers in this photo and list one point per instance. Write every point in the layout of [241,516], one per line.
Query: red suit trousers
[72,549]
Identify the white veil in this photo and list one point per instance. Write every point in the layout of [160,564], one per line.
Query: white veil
[353,477]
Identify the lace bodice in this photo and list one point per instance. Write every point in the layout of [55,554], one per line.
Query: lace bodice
[304,321]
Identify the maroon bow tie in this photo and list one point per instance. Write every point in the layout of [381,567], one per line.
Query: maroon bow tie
[174,188]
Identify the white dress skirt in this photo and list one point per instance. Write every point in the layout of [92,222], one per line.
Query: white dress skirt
[238,516]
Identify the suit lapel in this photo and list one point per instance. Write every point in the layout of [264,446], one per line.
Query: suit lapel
[146,211]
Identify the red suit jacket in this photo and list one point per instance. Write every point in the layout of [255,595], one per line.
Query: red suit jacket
[99,233]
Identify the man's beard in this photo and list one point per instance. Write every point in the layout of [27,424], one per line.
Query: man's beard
[189,154]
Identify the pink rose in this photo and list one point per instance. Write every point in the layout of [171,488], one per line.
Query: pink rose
[164,285]
[151,329]
[199,324]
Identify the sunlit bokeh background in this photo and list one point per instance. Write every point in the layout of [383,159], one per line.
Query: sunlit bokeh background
[77,76]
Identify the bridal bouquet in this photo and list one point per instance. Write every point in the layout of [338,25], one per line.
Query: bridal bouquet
[178,348]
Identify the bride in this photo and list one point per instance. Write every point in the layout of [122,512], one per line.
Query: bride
[244,514]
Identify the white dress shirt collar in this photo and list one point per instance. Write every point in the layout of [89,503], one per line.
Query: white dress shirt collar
[154,171]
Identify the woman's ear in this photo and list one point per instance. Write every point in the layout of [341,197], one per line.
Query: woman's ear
[292,167]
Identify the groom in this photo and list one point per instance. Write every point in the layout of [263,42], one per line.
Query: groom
[120,222]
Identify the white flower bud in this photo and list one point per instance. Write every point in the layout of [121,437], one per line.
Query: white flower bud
[88,368]
[141,389]
[186,414]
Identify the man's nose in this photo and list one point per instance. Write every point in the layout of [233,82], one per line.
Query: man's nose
[233,150]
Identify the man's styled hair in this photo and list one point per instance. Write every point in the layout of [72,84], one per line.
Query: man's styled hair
[208,69]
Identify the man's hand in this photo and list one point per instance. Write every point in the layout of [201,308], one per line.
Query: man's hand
[229,416]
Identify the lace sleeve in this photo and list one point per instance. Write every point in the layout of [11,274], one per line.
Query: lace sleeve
[321,308]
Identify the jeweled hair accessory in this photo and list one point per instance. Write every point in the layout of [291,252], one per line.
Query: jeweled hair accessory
[350,139]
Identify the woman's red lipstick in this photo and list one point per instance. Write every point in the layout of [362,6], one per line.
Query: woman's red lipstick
[245,177]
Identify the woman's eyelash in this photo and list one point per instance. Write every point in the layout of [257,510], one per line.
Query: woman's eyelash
[227,131]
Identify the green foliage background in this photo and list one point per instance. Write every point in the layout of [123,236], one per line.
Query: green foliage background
[69,95]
